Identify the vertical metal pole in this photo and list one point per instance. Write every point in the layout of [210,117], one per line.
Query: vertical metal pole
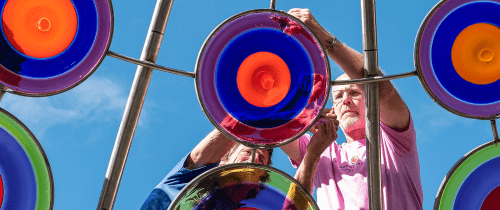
[273,5]
[372,104]
[134,105]
[253,155]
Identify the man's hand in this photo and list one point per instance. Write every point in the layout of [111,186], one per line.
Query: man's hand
[325,132]
[306,16]
[325,116]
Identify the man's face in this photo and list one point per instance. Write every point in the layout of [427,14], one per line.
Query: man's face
[349,106]
[244,154]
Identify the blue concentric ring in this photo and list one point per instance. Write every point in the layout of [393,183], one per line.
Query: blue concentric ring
[17,174]
[288,49]
[478,185]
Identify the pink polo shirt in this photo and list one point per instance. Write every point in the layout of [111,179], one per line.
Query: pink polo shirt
[341,175]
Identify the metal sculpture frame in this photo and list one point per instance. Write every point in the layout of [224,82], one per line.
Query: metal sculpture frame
[147,64]
[122,146]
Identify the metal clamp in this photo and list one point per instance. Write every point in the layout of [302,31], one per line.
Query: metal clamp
[495,131]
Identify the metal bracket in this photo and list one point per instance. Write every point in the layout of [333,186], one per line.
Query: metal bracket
[495,131]
[273,5]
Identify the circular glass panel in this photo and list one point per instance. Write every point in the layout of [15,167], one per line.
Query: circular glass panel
[244,186]
[262,78]
[50,46]
[457,56]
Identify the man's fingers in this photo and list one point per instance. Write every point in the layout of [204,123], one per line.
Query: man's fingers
[329,115]
[336,122]
[322,128]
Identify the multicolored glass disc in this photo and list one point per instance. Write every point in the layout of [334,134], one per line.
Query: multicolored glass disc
[473,182]
[262,77]
[457,56]
[25,176]
[50,46]
[244,186]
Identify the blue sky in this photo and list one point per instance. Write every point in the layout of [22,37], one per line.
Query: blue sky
[77,128]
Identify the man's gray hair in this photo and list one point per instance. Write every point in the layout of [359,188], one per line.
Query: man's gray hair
[226,156]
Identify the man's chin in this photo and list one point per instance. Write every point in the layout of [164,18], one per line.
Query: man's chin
[351,124]
[348,122]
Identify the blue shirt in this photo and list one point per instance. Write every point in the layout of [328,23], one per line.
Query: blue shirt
[172,184]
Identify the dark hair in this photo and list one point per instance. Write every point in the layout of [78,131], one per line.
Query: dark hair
[226,156]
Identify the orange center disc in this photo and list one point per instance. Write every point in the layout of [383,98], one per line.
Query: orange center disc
[476,53]
[39,28]
[263,79]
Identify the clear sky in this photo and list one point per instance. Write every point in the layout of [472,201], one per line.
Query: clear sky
[78,128]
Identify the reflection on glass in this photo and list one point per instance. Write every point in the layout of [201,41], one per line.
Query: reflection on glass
[245,186]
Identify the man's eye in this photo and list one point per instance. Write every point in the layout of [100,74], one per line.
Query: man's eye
[355,93]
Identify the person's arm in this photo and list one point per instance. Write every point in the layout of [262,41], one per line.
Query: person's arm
[393,110]
[210,150]
[325,133]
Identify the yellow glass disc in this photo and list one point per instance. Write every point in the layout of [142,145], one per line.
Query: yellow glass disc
[476,53]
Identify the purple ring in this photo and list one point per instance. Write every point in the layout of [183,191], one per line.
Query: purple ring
[426,74]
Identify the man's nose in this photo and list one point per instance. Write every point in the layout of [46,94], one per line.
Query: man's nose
[347,99]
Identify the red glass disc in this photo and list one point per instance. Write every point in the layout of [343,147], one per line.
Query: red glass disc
[263,79]
[39,28]
[492,201]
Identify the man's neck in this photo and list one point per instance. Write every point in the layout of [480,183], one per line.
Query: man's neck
[355,134]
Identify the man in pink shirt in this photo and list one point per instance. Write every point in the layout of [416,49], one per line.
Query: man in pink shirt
[339,172]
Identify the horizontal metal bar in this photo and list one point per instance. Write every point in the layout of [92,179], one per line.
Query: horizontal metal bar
[151,65]
[373,79]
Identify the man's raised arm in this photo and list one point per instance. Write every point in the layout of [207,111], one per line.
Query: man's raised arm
[210,150]
[393,110]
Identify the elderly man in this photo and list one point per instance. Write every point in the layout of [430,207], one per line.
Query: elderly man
[214,150]
[341,170]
